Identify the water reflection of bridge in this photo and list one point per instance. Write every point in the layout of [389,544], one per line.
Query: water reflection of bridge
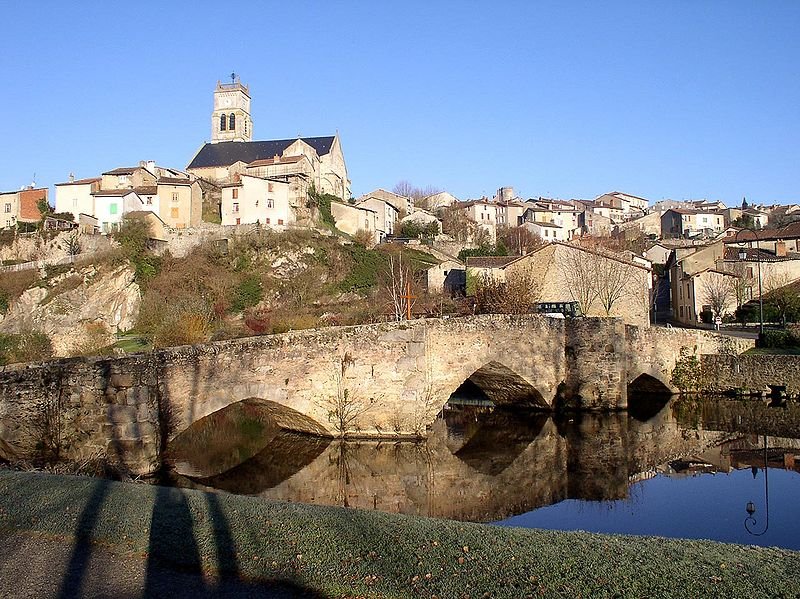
[485,467]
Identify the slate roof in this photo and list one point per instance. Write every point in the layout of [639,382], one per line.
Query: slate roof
[226,153]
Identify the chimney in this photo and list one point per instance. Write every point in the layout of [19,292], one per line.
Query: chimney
[71,178]
[276,159]
[780,249]
[151,166]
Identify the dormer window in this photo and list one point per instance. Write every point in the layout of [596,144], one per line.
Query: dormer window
[222,121]
[232,122]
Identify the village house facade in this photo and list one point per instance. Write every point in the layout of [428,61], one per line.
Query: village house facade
[561,272]
[252,200]
[75,196]
[21,206]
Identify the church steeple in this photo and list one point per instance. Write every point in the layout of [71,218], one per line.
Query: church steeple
[231,120]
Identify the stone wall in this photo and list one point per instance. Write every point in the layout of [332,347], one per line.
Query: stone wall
[750,373]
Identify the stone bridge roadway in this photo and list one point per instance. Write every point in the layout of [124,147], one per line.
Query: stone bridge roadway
[125,409]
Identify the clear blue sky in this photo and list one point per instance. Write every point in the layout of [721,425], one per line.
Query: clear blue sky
[663,100]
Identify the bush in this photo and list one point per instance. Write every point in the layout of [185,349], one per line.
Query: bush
[686,374]
[417,230]
[247,294]
[484,250]
[25,347]
[780,339]
[322,202]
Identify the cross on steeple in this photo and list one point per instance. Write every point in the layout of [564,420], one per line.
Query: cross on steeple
[233,77]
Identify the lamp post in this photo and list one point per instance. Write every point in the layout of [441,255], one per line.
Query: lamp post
[743,257]
[750,521]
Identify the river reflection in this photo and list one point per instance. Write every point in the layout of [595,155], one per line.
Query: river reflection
[488,464]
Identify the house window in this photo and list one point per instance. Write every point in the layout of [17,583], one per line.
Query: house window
[238,221]
[236,206]
[269,203]
[174,196]
[256,203]
[173,213]
[222,121]
[235,193]
[149,201]
[267,220]
[112,209]
[269,187]
[680,311]
[280,221]
[74,203]
[8,208]
[232,122]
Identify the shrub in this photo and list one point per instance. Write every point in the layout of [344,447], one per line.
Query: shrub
[364,238]
[26,347]
[686,374]
[780,339]
[247,294]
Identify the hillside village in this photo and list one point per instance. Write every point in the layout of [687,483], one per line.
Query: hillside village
[689,263]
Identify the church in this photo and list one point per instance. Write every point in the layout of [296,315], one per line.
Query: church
[301,162]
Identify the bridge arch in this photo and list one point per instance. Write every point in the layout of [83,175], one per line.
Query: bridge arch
[223,439]
[648,394]
[504,386]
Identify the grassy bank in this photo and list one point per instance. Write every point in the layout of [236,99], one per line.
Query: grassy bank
[345,553]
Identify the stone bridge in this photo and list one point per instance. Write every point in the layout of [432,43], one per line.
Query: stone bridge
[373,380]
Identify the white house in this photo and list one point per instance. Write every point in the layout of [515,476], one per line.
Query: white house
[75,196]
[547,231]
[252,200]
[109,207]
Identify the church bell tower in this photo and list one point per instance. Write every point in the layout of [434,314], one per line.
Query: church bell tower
[231,120]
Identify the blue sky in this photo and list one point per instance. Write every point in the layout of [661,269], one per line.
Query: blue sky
[658,99]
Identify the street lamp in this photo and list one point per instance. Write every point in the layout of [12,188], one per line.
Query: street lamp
[750,521]
[743,257]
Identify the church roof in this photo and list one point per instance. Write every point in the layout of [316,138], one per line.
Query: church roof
[226,153]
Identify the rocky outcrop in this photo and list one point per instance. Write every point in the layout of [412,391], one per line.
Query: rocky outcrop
[79,310]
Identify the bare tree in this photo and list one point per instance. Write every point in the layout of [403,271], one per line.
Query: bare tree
[345,407]
[516,295]
[397,282]
[611,280]
[407,190]
[458,225]
[743,281]
[577,269]
[717,291]
[519,239]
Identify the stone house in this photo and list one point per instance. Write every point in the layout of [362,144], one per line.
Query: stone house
[562,272]
[75,196]
[386,211]
[548,231]
[21,206]
[351,219]
[436,201]
[251,200]
[678,222]
[449,278]
[484,213]
[298,171]
[180,202]
[402,204]
[510,213]
[230,153]
[648,224]
[422,218]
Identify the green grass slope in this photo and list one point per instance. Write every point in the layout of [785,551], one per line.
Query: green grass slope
[336,552]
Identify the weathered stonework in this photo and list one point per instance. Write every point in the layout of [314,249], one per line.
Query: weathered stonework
[750,374]
[399,374]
